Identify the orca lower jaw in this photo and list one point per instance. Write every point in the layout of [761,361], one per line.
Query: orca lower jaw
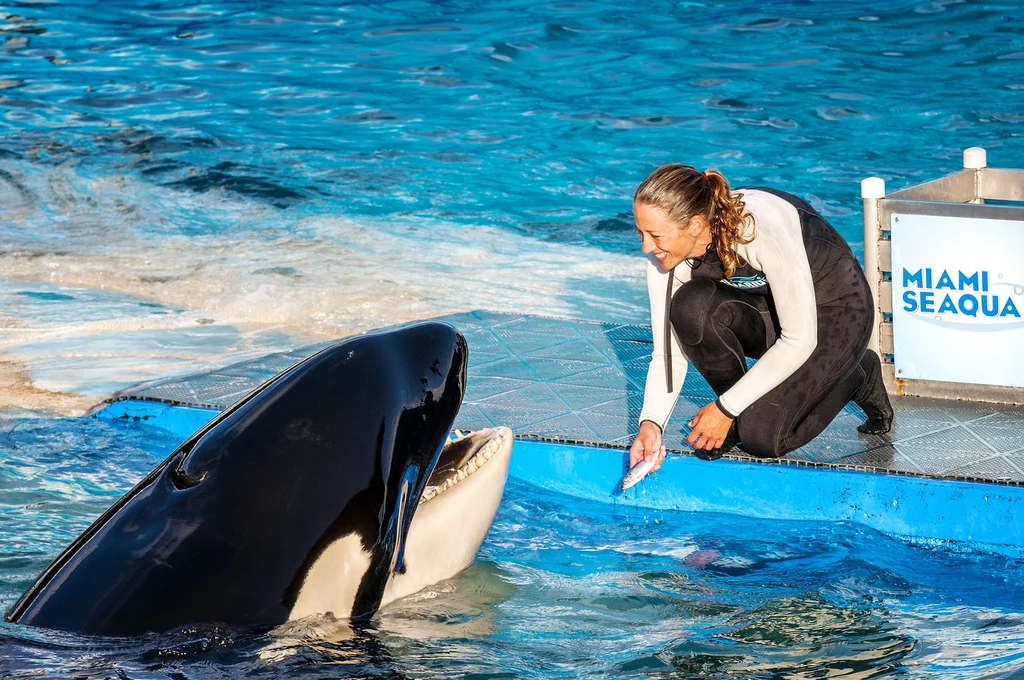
[464,455]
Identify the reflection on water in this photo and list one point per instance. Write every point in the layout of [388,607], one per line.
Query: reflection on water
[561,588]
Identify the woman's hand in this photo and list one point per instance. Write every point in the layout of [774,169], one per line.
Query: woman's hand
[710,426]
[647,446]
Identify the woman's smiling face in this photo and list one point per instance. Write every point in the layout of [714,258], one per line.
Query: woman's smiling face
[669,242]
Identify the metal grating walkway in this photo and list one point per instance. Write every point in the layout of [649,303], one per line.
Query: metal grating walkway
[582,382]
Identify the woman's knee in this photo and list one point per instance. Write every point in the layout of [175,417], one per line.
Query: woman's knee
[690,310]
[763,448]
[761,433]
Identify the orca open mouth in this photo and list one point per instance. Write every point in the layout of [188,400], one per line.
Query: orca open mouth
[463,455]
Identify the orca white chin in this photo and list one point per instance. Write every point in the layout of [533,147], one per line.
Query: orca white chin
[455,511]
[451,519]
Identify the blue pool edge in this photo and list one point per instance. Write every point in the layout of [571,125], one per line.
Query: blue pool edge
[939,513]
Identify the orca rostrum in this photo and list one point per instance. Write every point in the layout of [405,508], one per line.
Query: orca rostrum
[332,489]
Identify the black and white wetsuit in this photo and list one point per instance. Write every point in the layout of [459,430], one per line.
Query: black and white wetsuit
[799,304]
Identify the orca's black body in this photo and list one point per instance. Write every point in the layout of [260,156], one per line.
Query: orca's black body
[225,529]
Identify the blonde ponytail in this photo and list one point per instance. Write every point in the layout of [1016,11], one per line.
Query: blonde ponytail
[729,220]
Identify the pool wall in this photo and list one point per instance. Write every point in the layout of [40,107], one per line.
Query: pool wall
[965,515]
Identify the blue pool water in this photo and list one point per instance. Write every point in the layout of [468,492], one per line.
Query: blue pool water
[187,186]
[593,590]
[210,181]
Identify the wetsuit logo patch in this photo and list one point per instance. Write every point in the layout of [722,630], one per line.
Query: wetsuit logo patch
[746,282]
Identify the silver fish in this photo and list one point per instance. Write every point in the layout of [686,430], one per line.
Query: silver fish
[636,473]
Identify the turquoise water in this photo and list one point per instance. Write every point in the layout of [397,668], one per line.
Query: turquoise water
[184,187]
[593,590]
[275,174]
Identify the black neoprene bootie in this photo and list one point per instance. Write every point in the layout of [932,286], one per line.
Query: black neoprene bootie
[872,397]
[732,437]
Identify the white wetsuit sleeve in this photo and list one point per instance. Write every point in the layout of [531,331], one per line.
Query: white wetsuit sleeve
[658,401]
[778,251]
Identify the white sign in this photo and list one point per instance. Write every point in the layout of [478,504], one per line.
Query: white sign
[958,299]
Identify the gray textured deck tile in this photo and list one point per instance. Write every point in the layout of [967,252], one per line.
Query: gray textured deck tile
[512,367]
[576,350]
[477,358]
[565,428]
[697,389]
[545,325]
[674,436]
[609,427]
[536,395]
[1000,439]
[951,438]
[228,398]
[581,397]
[884,457]
[207,390]
[606,376]
[472,418]
[523,342]
[589,328]
[1008,417]
[627,407]
[636,370]
[483,340]
[603,344]
[625,351]
[552,369]
[631,332]
[949,411]
[996,468]
[905,427]
[837,441]
[517,418]
[483,387]
[176,392]
[933,460]
[818,452]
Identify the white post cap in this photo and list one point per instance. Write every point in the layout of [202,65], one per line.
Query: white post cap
[974,158]
[872,187]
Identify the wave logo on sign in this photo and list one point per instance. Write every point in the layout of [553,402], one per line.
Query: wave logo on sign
[974,300]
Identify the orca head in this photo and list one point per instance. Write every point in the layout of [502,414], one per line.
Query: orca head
[330,457]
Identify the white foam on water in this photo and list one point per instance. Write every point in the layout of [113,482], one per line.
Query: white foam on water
[105,284]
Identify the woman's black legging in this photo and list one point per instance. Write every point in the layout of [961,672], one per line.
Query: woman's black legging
[719,326]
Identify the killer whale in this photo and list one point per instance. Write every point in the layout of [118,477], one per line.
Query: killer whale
[301,498]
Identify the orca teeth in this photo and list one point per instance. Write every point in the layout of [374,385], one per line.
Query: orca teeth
[456,435]
[474,464]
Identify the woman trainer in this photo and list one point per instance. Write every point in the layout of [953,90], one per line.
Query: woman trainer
[754,273]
